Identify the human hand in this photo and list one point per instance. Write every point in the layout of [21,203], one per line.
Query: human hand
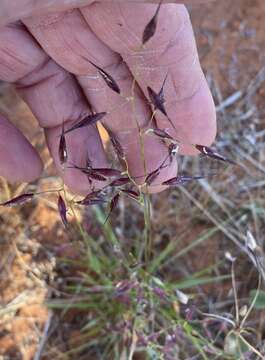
[46,57]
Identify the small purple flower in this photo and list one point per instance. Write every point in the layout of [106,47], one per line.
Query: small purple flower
[160,293]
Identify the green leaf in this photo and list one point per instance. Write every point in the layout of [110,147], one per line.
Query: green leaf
[234,346]
[185,284]
[260,301]
[95,264]
[162,256]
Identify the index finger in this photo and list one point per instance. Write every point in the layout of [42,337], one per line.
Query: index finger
[12,10]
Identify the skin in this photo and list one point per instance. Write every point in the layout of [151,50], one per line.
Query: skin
[44,47]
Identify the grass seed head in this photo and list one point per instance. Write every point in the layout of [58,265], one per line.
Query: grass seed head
[117,146]
[62,151]
[152,176]
[156,100]
[62,210]
[108,172]
[163,134]
[92,201]
[132,193]
[110,82]
[207,151]
[19,200]
[150,28]
[87,121]
[120,181]
[113,205]
[181,179]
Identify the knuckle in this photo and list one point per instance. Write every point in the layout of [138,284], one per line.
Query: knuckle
[18,53]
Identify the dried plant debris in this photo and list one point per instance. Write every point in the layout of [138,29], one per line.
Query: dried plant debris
[87,121]
[19,200]
[62,210]
[111,83]
[150,28]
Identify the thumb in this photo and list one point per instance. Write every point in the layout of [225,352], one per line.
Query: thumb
[12,10]
[19,161]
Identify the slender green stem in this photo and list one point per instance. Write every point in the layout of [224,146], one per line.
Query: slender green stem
[147,205]
[235,293]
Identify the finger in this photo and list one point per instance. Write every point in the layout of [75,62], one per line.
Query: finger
[12,10]
[18,159]
[83,146]
[54,97]
[68,40]
[172,51]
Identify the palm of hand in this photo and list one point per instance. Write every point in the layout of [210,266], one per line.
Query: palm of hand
[48,56]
